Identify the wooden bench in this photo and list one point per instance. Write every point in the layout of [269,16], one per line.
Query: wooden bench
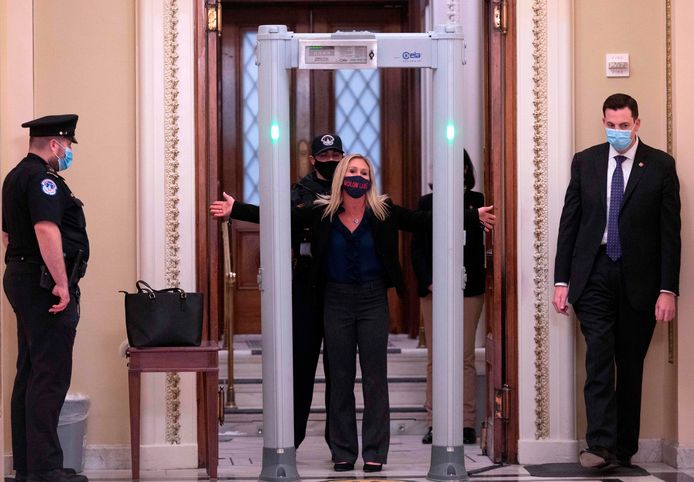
[200,359]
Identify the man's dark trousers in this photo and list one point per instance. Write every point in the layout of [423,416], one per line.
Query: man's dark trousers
[617,339]
[307,337]
[44,367]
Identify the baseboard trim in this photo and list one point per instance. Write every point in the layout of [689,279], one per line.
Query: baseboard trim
[547,450]
[107,457]
[678,456]
[117,456]
[650,451]
[152,457]
[557,451]
[7,463]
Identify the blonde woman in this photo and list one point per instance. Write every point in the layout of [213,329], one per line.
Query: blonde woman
[355,251]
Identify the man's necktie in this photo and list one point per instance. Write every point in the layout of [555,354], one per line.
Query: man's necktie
[614,246]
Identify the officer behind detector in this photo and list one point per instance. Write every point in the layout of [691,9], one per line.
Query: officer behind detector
[43,228]
[307,305]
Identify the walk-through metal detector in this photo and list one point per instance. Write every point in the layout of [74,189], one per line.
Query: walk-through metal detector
[442,51]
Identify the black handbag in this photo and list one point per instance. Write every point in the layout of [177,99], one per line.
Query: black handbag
[168,317]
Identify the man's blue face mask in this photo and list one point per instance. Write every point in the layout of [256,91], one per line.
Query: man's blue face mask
[65,161]
[619,139]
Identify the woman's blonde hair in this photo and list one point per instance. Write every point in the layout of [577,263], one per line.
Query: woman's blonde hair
[376,202]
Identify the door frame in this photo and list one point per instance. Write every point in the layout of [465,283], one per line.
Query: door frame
[500,163]
[406,193]
[206,173]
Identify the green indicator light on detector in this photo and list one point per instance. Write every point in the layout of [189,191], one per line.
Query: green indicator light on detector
[275,132]
[450,132]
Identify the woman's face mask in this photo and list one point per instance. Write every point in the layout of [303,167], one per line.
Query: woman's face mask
[357,182]
[356,186]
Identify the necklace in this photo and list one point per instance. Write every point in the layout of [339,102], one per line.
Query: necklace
[356,220]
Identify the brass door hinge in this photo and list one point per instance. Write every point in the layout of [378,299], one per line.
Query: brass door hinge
[214,17]
[500,13]
[502,402]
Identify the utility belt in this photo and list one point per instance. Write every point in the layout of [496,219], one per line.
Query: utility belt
[24,259]
[75,268]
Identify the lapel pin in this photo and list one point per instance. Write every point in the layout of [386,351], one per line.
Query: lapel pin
[640,164]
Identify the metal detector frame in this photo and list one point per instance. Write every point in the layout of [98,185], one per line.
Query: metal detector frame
[442,51]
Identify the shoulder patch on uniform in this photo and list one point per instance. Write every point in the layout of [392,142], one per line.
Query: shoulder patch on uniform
[48,186]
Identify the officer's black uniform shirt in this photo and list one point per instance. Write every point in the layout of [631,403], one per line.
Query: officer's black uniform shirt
[308,189]
[34,192]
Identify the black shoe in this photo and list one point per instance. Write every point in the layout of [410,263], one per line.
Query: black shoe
[597,458]
[469,435]
[57,475]
[428,438]
[624,462]
[343,466]
[372,467]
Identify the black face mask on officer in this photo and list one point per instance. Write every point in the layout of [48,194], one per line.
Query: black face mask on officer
[326,168]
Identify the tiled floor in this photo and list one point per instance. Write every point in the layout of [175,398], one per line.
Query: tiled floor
[240,456]
[408,460]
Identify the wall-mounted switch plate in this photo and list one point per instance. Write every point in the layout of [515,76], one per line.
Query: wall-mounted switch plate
[617,65]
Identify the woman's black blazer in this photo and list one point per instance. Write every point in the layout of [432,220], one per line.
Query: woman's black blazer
[385,235]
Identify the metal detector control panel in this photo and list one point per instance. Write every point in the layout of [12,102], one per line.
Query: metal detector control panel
[339,52]
[364,50]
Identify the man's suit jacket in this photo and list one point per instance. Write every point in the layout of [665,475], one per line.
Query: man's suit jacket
[649,224]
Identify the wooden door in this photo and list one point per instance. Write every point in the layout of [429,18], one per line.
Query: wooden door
[239,138]
[315,107]
[500,162]
[207,161]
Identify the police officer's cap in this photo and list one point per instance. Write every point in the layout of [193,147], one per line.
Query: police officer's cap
[326,142]
[54,126]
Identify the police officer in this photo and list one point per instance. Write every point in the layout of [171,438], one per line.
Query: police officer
[44,231]
[307,304]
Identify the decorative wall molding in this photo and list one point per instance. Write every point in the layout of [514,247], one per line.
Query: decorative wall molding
[540,221]
[172,213]
[668,74]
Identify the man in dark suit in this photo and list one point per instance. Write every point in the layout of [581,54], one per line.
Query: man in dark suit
[618,263]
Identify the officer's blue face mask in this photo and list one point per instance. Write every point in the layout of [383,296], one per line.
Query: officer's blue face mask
[619,139]
[65,161]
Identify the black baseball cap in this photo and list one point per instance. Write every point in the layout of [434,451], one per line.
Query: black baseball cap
[326,142]
[53,126]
